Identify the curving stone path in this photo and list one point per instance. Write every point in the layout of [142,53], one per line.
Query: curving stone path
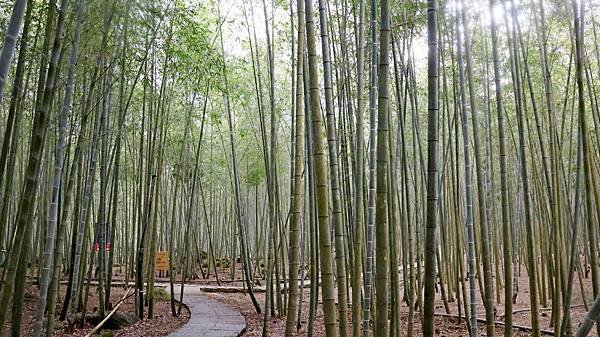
[209,317]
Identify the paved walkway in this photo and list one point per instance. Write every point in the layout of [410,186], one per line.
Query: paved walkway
[209,317]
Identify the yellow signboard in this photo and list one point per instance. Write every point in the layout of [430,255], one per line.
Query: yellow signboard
[161,261]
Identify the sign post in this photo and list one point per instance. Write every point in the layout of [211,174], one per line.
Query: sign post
[161,262]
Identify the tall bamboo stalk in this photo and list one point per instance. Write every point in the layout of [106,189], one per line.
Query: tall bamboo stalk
[298,188]
[320,167]
[432,166]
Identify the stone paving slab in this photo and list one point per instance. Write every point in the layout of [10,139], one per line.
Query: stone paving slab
[209,318]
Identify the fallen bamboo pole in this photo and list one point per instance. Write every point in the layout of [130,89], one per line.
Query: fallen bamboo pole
[109,315]
[514,326]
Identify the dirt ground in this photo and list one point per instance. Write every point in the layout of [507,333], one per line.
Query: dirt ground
[444,326]
[162,324]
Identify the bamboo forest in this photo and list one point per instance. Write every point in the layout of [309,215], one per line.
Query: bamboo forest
[238,168]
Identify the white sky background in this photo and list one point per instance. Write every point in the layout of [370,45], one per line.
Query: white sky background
[236,33]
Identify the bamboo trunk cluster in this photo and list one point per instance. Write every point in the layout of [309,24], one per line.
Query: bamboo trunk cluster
[421,164]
